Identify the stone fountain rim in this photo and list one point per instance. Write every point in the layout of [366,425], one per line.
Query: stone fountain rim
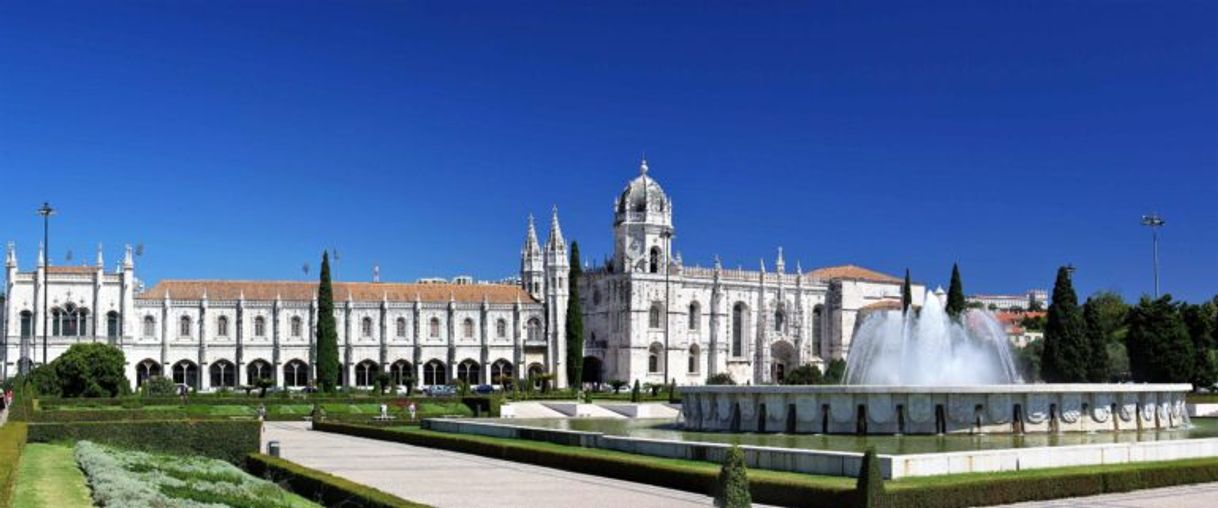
[984,389]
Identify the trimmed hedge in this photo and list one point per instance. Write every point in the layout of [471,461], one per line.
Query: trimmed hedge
[642,469]
[12,443]
[225,440]
[324,488]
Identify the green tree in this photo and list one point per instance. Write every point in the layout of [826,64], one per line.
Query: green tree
[807,374]
[635,392]
[835,372]
[721,378]
[869,488]
[327,331]
[732,486]
[955,294]
[1066,347]
[1160,350]
[45,381]
[1199,324]
[575,322]
[1112,310]
[1097,343]
[906,293]
[92,369]
[1034,305]
[1029,358]
[159,386]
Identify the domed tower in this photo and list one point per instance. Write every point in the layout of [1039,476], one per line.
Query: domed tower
[642,226]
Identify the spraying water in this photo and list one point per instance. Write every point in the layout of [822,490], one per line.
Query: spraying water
[929,348]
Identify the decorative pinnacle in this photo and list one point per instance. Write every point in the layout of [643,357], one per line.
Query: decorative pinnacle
[643,165]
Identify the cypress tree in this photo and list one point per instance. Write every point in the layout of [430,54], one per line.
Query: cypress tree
[1197,321]
[732,487]
[906,293]
[1160,350]
[1066,346]
[634,392]
[870,485]
[575,322]
[1097,341]
[955,294]
[327,331]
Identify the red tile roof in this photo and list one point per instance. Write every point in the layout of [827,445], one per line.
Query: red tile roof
[883,305]
[361,291]
[852,272]
[71,269]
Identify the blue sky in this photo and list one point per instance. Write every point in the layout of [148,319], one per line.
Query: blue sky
[239,139]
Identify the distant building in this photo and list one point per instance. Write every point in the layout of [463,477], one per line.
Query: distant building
[1009,302]
[1012,324]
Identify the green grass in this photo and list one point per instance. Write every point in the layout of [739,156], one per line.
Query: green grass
[48,477]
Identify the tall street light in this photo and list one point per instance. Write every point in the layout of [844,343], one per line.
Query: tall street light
[46,212]
[1154,222]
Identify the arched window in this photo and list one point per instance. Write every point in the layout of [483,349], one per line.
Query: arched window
[70,321]
[365,373]
[433,373]
[780,321]
[653,316]
[653,358]
[695,315]
[295,374]
[818,322]
[501,372]
[295,326]
[260,326]
[653,265]
[223,374]
[184,326]
[534,328]
[433,328]
[469,372]
[467,328]
[401,373]
[400,328]
[27,324]
[258,369]
[365,327]
[222,326]
[146,370]
[695,359]
[501,328]
[149,326]
[737,328]
[186,373]
[112,325]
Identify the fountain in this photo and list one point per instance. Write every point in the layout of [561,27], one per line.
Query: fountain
[922,372]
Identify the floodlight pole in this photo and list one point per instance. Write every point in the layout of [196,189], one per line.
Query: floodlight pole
[1154,222]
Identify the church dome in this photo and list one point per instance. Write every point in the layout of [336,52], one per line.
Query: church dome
[642,195]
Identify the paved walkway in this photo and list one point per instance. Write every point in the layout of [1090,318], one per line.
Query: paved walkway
[1204,495]
[443,479]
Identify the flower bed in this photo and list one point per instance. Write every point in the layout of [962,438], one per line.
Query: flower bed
[131,478]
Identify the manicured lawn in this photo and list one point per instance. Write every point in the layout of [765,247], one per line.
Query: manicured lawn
[49,477]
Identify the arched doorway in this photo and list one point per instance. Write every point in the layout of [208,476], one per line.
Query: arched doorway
[470,372]
[782,360]
[145,370]
[223,374]
[535,373]
[296,374]
[258,369]
[186,373]
[501,372]
[401,373]
[433,373]
[365,373]
[593,371]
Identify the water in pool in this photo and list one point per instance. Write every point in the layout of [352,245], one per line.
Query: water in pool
[891,445]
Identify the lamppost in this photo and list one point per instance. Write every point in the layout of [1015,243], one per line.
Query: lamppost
[1154,222]
[667,236]
[46,212]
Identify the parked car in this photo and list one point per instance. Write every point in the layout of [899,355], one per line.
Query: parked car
[484,389]
[440,391]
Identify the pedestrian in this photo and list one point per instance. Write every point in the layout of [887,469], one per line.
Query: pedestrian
[261,412]
[413,410]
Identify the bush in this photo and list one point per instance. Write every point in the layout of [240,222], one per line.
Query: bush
[92,369]
[804,375]
[870,486]
[45,381]
[312,484]
[732,487]
[12,443]
[617,385]
[634,392]
[225,440]
[159,386]
[721,378]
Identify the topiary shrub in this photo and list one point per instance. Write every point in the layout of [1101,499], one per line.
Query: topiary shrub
[159,386]
[617,385]
[721,378]
[804,375]
[732,486]
[634,392]
[870,487]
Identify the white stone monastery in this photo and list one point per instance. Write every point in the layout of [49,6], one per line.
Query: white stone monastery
[647,317]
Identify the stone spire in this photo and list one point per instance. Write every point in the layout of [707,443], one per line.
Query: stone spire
[780,264]
[555,241]
[643,165]
[530,240]
[10,259]
[100,260]
[128,260]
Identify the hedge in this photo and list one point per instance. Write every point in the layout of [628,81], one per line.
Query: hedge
[326,489]
[622,466]
[12,443]
[241,400]
[226,440]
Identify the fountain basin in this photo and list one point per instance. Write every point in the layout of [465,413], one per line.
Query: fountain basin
[990,409]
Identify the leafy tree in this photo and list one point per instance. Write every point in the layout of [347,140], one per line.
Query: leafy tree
[617,385]
[634,392]
[732,486]
[955,294]
[45,381]
[807,374]
[1197,321]
[575,321]
[1112,310]
[1160,349]
[382,382]
[92,369]
[159,386]
[1033,323]
[1034,305]
[1066,347]
[1097,343]
[327,331]
[870,485]
[1029,358]
[835,372]
[263,384]
[906,293]
[721,378]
